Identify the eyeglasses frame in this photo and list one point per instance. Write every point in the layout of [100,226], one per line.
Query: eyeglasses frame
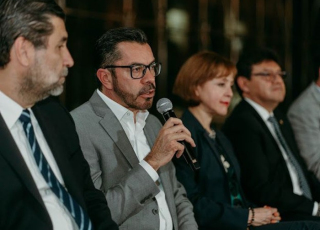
[133,65]
[283,74]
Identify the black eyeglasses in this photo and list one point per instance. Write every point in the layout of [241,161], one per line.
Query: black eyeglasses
[270,76]
[138,71]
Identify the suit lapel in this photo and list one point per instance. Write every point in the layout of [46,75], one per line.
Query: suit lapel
[112,126]
[11,153]
[59,151]
[164,174]
[215,150]
[251,110]
[199,129]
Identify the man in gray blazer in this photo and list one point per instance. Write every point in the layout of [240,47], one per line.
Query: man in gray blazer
[128,150]
[304,115]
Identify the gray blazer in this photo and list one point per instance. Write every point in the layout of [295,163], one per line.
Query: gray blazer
[115,170]
[304,115]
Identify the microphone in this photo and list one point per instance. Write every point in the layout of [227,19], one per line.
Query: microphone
[164,106]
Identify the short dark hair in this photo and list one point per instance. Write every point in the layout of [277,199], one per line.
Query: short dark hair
[252,57]
[197,70]
[106,50]
[26,18]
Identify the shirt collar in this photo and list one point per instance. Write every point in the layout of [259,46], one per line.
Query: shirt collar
[264,114]
[119,111]
[9,109]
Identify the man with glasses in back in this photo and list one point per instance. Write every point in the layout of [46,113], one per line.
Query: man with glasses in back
[128,150]
[273,173]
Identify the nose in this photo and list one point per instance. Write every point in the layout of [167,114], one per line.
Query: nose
[230,92]
[148,77]
[277,78]
[68,60]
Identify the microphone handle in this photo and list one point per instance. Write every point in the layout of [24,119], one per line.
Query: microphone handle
[188,153]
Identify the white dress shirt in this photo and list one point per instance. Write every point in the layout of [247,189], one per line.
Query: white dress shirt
[138,140]
[264,114]
[11,111]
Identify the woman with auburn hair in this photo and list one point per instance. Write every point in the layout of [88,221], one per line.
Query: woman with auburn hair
[205,83]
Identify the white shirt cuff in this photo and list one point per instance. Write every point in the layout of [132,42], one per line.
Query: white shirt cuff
[152,173]
[315,209]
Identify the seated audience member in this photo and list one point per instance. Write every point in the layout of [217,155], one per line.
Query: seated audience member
[304,115]
[205,82]
[273,172]
[128,150]
[45,182]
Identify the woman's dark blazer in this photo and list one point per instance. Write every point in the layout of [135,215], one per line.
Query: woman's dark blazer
[208,188]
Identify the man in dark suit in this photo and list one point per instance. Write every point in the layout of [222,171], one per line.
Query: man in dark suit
[273,172]
[45,180]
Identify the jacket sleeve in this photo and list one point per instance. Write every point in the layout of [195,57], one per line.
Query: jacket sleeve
[126,195]
[185,215]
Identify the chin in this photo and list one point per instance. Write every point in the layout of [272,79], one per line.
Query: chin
[222,113]
[56,91]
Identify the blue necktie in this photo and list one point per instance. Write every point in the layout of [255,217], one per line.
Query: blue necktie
[302,179]
[65,198]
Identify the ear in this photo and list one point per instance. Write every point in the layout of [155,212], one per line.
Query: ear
[243,83]
[196,91]
[105,77]
[23,51]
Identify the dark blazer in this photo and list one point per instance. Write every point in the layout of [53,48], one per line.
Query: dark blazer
[208,188]
[21,206]
[265,176]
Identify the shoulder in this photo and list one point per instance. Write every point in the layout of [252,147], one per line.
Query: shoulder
[82,111]
[53,116]
[242,115]
[53,109]
[305,101]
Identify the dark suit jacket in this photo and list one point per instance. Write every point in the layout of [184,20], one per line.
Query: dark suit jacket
[265,176]
[208,188]
[21,206]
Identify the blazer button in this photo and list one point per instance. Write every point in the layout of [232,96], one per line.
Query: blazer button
[155,211]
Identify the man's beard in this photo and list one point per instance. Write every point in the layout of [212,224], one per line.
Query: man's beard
[130,99]
[34,88]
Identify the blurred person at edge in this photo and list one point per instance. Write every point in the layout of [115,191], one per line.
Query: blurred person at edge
[304,115]
[45,180]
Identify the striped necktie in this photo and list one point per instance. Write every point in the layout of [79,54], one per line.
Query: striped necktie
[80,217]
[302,179]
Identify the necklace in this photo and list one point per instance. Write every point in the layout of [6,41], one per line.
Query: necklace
[212,134]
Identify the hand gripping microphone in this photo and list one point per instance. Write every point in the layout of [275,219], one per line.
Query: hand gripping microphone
[164,106]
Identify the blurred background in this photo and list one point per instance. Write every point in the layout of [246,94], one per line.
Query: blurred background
[176,29]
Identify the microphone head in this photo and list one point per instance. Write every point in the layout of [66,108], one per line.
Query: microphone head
[164,105]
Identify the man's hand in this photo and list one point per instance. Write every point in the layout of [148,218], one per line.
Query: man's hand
[167,143]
